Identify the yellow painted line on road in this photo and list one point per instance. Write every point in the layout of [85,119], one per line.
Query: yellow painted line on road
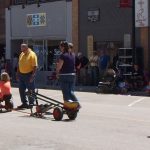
[135,102]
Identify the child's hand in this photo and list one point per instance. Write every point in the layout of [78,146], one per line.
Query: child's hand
[31,79]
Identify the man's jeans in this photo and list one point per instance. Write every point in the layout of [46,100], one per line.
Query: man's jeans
[94,75]
[24,83]
[67,83]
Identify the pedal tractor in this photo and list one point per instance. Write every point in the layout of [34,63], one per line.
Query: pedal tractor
[59,109]
[8,106]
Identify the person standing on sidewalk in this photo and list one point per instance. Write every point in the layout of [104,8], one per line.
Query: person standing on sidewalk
[103,63]
[77,62]
[66,71]
[26,72]
[83,71]
[93,69]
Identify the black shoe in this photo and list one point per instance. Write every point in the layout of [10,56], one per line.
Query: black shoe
[22,106]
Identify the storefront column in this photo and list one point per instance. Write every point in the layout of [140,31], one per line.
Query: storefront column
[75,24]
[8,34]
[145,44]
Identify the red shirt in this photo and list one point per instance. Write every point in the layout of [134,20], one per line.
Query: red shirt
[5,88]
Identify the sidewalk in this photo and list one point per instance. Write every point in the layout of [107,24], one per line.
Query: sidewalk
[77,88]
[83,89]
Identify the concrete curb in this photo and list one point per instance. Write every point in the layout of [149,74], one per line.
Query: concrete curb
[77,88]
[91,89]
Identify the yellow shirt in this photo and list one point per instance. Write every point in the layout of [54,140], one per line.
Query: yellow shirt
[27,61]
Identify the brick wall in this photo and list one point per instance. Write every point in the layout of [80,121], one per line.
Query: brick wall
[3,4]
[75,24]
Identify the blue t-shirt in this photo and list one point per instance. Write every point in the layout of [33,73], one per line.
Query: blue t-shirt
[103,61]
[69,63]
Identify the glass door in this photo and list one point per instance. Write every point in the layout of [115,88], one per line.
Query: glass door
[40,48]
[47,52]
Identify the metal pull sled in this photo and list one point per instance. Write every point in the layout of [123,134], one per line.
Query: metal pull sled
[59,109]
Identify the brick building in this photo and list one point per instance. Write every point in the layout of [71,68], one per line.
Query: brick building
[3,5]
[42,24]
[109,24]
[90,25]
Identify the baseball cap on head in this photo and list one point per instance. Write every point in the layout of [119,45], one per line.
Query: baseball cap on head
[70,45]
[64,44]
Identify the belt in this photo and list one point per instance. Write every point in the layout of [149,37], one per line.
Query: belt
[67,74]
[26,73]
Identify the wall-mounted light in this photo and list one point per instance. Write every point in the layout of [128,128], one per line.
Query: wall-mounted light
[38,5]
[10,3]
[8,7]
[24,2]
[23,6]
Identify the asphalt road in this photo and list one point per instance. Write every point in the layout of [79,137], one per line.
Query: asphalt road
[105,122]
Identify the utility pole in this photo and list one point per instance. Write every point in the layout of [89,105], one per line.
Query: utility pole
[133,31]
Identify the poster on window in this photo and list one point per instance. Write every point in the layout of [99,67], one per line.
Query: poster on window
[141,13]
[38,49]
[35,20]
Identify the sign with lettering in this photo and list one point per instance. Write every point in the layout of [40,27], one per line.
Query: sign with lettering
[125,3]
[141,13]
[93,15]
[35,20]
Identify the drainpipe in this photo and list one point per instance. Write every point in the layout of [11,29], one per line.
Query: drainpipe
[133,31]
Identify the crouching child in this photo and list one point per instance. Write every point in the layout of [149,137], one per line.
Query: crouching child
[5,92]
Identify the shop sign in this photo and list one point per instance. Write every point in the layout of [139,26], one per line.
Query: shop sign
[125,3]
[36,20]
[141,13]
[93,15]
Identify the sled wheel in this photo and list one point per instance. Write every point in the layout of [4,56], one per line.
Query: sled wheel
[72,115]
[9,105]
[58,113]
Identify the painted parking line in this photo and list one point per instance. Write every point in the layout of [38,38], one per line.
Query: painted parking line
[135,102]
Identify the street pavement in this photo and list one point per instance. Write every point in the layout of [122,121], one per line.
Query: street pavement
[105,122]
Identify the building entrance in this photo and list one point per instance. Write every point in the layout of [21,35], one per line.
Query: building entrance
[47,53]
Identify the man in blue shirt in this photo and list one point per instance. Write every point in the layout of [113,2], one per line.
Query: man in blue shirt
[103,62]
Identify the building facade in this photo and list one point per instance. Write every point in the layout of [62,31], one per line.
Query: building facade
[3,5]
[41,24]
[90,25]
[108,25]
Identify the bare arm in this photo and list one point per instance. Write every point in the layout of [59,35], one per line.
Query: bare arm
[33,73]
[59,66]
[34,70]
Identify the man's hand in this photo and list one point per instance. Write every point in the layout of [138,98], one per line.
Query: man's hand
[17,77]
[31,78]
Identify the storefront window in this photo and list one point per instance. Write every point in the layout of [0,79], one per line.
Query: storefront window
[111,47]
[31,1]
[47,52]
[17,2]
